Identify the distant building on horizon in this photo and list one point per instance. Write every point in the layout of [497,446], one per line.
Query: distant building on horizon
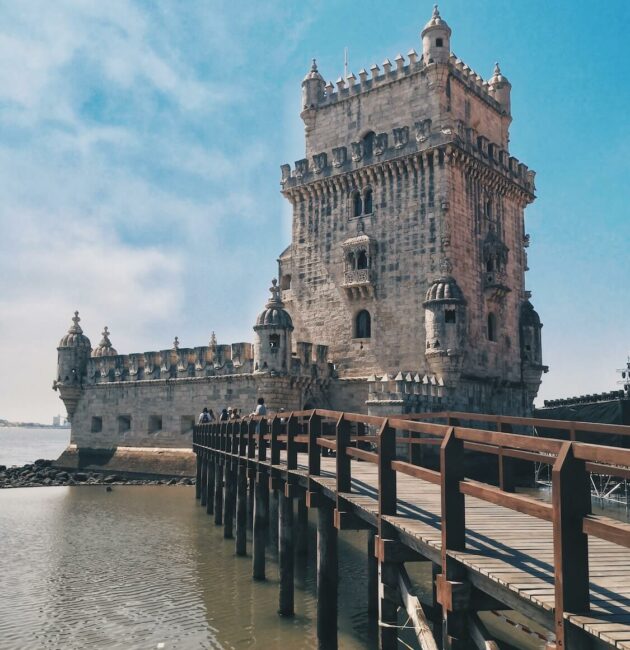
[403,287]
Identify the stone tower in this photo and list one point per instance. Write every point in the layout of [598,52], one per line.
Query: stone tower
[73,354]
[408,243]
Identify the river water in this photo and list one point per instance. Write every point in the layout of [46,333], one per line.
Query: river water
[144,567]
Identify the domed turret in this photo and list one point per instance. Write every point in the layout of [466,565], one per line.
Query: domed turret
[312,88]
[532,367]
[500,88]
[436,39]
[104,348]
[272,347]
[72,359]
[445,327]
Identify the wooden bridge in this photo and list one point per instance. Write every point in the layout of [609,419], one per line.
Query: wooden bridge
[491,548]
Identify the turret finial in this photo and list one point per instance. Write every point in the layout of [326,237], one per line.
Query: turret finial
[105,332]
[497,69]
[436,11]
[314,66]
[176,343]
[213,340]
[275,291]
[75,328]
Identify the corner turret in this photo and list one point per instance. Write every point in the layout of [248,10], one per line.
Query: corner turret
[436,39]
[500,88]
[312,95]
[73,354]
[532,367]
[445,327]
[272,346]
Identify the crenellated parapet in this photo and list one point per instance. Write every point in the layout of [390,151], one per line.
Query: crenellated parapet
[409,146]
[415,391]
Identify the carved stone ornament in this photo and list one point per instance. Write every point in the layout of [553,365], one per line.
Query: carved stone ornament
[320,162]
[422,129]
[380,144]
[357,151]
[340,156]
[401,137]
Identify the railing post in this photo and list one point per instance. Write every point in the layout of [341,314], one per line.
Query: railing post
[387,504]
[203,456]
[344,475]
[230,493]
[571,499]
[453,591]
[251,470]
[314,457]
[275,431]
[292,431]
[218,474]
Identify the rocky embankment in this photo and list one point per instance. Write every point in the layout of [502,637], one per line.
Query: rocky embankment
[42,474]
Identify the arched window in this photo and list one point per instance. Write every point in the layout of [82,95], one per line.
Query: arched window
[439,42]
[489,265]
[368,144]
[274,342]
[357,204]
[363,325]
[367,201]
[351,261]
[492,327]
[362,260]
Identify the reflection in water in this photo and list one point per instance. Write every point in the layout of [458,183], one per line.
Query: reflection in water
[144,566]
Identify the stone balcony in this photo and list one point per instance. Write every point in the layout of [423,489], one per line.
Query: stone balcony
[359,283]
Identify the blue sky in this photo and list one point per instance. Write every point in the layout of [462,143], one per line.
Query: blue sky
[140,146]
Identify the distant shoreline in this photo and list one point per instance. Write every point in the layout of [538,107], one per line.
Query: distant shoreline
[30,425]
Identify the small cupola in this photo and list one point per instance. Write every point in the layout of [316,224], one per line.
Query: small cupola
[104,348]
[73,354]
[273,345]
[436,39]
[75,338]
[500,88]
[312,88]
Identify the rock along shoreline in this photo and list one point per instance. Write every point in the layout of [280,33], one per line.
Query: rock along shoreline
[42,474]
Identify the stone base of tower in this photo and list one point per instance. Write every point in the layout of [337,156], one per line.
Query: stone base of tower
[138,462]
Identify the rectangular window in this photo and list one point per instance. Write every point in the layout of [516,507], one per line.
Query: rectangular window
[97,424]
[155,423]
[186,424]
[124,423]
[449,316]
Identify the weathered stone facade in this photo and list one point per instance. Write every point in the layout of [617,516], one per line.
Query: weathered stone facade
[403,288]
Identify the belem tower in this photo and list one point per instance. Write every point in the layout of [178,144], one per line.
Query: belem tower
[402,290]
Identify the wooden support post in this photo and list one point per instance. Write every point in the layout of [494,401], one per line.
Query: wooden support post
[372,576]
[261,525]
[230,501]
[571,498]
[241,510]
[286,556]
[327,578]
[218,492]
[451,588]
[204,477]
[415,612]
[506,464]
[251,471]
[387,504]
[276,430]
[210,485]
[302,526]
[273,519]
[198,475]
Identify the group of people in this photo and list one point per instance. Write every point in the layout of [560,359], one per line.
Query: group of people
[207,415]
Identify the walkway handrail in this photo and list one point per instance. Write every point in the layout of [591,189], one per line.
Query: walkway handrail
[315,432]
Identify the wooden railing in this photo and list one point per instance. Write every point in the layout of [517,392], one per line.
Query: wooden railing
[257,442]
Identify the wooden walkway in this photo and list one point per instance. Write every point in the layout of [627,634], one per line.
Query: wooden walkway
[491,548]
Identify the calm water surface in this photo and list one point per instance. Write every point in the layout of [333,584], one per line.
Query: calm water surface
[19,445]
